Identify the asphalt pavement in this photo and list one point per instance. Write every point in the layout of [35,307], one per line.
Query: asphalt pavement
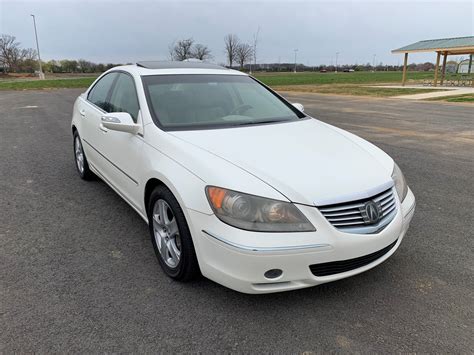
[78,272]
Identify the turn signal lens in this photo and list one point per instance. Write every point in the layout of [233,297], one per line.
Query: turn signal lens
[216,196]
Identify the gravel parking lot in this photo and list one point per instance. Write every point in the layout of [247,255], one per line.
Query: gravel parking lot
[78,272]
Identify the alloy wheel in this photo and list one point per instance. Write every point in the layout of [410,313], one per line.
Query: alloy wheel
[79,154]
[166,232]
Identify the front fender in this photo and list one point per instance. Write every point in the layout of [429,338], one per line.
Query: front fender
[188,188]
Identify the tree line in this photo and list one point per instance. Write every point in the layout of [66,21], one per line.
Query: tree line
[14,58]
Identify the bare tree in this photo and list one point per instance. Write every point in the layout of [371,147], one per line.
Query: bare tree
[231,43]
[243,54]
[181,50]
[201,52]
[10,52]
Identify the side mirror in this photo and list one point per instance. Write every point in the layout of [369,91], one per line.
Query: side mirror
[119,121]
[298,106]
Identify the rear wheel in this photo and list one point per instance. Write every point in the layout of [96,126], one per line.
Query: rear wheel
[80,158]
[170,236]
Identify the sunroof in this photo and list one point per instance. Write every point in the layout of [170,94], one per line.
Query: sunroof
[176,65]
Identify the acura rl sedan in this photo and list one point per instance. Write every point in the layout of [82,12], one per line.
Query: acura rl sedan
[235,182]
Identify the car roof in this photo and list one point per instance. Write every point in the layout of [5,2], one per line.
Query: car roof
[146,68]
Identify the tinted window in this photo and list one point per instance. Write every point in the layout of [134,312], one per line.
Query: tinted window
[124,96]
[98,94]
[200,101]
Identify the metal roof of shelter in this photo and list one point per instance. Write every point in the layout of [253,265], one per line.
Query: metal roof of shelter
[456,45]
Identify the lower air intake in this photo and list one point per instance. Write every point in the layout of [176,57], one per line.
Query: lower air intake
[337,267]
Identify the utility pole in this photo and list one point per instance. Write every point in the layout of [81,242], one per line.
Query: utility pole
[296,51]
[337,55]
[41,74]
[375,55]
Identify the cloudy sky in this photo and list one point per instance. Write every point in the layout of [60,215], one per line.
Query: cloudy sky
[127,31]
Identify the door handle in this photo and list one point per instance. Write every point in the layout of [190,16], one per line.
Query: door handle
[102,128]
[82,113]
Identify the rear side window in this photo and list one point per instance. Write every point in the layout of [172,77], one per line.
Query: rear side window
[124,96]
[99,93]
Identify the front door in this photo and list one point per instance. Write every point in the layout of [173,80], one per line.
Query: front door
[91,109]
[123,151]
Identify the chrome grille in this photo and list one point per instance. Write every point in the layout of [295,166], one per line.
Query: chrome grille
[352,217]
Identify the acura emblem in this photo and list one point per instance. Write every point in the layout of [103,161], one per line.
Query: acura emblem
[371,212]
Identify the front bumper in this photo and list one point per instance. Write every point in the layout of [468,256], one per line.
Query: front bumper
[239,259]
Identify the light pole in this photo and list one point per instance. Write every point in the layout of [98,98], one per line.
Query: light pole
[255,39]
[296,51]
[375,55]
[337,55]
[41,74]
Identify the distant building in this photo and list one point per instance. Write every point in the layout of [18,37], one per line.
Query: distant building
[463,67]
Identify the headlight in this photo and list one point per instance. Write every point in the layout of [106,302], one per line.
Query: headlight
[400,183]
[255,213]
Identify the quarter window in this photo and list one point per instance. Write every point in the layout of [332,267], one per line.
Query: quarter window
[124,96]
[99,93]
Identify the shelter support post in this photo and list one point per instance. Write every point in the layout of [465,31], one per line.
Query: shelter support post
[405,63]
[435,82]
[443,69]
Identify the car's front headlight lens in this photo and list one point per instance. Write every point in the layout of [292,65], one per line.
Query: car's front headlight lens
[400,182]
[255,213]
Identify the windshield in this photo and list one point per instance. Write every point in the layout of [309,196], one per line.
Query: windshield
[198,101]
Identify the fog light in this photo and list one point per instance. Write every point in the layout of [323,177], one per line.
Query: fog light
[273,273]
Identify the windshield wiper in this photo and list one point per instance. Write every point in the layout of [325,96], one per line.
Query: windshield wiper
[258,122]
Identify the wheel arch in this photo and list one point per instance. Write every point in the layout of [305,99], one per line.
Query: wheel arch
[150,185]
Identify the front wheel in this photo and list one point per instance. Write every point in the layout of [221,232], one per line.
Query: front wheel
[170,236]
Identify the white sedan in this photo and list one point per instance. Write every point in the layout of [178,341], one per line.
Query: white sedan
[235,182]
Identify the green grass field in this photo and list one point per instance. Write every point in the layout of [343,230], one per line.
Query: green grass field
[462,98]
[271,79]
[21,84]
[327,83]
[352,89]
[469,98]
[314,78]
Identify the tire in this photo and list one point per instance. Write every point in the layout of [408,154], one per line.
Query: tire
[80,159]
[171,237]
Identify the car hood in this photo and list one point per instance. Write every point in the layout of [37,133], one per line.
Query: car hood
[307,161]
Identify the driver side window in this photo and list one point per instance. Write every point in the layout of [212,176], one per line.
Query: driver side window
[124,96]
